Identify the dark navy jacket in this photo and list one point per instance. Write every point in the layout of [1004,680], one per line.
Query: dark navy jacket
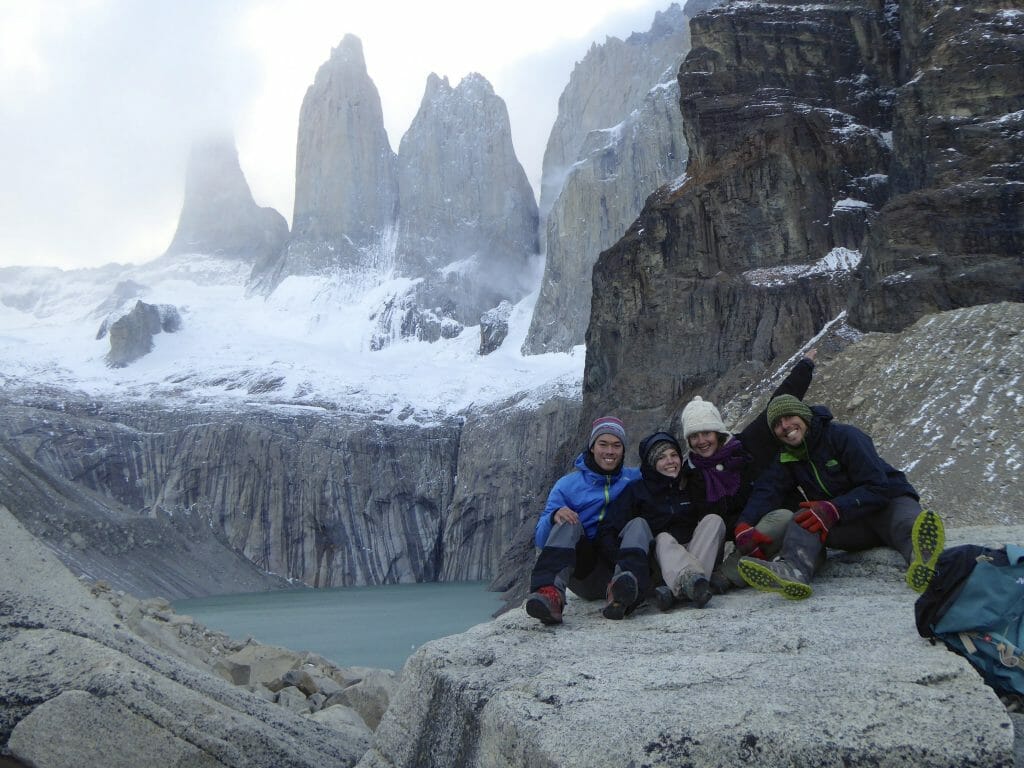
[659,500]
[841,465]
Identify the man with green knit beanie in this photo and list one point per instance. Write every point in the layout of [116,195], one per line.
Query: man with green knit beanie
[852,500]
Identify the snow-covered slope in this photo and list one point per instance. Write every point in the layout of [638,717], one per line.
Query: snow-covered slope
[308,344]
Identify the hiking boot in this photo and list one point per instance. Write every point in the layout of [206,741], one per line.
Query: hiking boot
[719,583]
[927,538]
[622,595]
[694,586]
[546,604]
[664,598]
[774,576]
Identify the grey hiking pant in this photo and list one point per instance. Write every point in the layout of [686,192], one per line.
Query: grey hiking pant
[889,527]
[774,526]
[570,559]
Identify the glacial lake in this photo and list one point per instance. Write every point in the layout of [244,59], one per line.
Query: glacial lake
[376,626]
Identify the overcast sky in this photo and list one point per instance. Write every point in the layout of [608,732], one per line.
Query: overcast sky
[101,99]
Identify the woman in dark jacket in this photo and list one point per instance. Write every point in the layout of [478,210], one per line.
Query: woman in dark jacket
[721,467]
[659,509]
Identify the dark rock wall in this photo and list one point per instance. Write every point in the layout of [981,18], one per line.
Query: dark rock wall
[953,233]
[182,503]
[812,130]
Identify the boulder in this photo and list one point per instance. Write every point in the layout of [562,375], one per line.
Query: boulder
[370,696]
[494,327]
[131,335]
[841,679]
[78,688]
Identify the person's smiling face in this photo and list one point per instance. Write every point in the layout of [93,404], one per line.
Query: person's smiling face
[607,451]
[670,463]
[790,430]
[703,443]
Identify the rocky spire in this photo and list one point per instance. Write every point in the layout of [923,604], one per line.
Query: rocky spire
[467,208]
[344,166]
[219,215]
[345,184]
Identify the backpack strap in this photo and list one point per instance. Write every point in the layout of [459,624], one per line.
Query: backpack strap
[1014,553]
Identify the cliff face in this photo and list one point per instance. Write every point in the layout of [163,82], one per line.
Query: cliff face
[177,503]
[618,136]
[952,232]
[801,122]
[345,172]
[468,218]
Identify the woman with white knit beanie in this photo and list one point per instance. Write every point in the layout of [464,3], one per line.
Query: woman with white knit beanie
[721,467]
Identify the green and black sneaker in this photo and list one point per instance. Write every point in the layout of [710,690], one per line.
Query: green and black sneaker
[927,539]
[775,576]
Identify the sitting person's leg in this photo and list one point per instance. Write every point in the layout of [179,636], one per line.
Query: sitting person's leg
[555,564]
[790,574]
[773,525]
[632,576]
[707,540]
[683,573]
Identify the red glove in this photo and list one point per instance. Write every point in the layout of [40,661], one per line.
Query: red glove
[749,540]
[817,517]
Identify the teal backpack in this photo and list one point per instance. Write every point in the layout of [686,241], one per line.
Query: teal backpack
[975,605]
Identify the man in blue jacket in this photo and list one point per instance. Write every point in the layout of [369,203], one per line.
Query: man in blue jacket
[567,529]
[852,500]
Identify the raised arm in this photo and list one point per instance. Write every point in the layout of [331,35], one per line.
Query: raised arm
[757,436]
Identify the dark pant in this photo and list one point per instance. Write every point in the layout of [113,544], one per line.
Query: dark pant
[570,559]
[889,527]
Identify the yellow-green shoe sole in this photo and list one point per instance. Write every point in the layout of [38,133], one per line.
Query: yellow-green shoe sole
[763,578]
[927,538]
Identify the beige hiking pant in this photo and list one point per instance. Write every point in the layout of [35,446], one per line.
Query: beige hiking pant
[698,554]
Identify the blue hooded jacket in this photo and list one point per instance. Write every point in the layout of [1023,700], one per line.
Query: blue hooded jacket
[585,492]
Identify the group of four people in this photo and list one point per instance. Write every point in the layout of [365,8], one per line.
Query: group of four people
[790,485]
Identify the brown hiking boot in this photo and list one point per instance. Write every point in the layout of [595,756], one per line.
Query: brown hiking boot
[546,604]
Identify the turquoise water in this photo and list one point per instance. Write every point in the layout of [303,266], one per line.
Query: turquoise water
[351,626]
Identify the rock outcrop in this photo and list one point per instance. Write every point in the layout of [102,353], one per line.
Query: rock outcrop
[617,138]
[131,335]
[803,171]
[219,215]
[346,191]
[468,218]
[951,233]
[938,399]
[750,680]
[79,687]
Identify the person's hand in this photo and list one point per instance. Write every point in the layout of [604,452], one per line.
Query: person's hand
[811,354]
[749,540]
[817,517]
[565,515]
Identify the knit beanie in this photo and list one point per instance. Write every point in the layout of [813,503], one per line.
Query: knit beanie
[701,416]
[606,425]
[787,405]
